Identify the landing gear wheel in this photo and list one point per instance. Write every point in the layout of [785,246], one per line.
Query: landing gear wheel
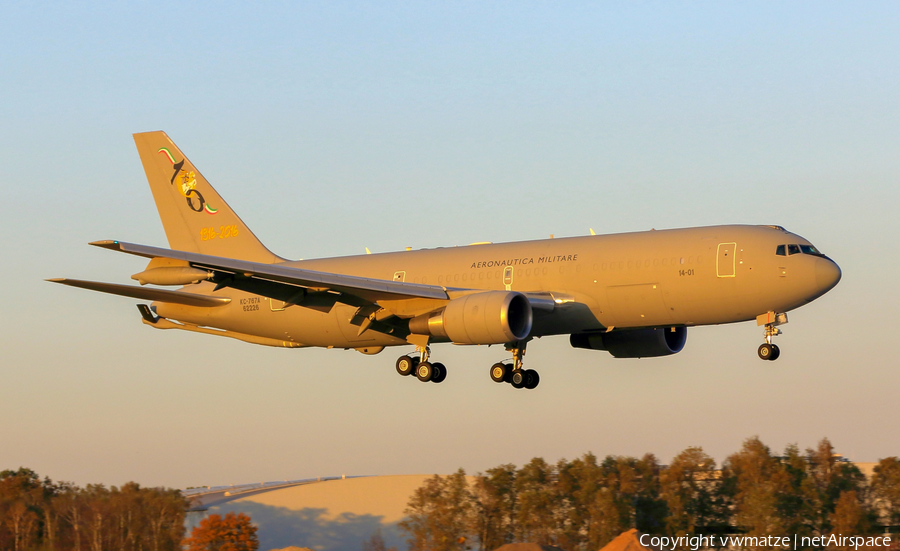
[440,372]
[405,365]
[532,379]
[517,380]
[424,371]
[499,372]
[766,351]
[510,368]
[775,353]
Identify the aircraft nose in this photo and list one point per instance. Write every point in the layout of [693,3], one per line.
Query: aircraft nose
[828,273]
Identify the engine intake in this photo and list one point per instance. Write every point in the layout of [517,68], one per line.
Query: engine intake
[490,317]
[634,343]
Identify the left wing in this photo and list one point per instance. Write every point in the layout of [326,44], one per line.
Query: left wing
[292,285]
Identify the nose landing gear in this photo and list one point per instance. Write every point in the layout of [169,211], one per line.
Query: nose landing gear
[768,352]
[771,321]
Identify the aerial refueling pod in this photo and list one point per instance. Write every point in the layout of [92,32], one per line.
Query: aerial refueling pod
[634,343]
[490,317]
[172,275]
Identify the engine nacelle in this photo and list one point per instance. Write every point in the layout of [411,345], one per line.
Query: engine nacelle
[635,343]
[490,317]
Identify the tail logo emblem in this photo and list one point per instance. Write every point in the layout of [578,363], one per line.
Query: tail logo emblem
[187,184]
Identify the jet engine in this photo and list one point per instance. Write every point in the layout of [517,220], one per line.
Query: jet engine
[634,343]
[490,317]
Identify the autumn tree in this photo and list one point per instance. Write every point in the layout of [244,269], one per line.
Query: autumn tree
[849,517]
[538,503]
[439,514]
[796,495]
[22,499]
[752,478]
[829,478]
[41,514]
[581,505]
[494,502]
[650,509]
[690,489]
[579,482]
[886,490]
[614,505]
[233,532]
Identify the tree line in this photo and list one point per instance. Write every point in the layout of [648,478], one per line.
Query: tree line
[42,515]
[581,505]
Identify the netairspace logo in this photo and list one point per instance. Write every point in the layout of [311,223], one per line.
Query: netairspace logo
[694,543]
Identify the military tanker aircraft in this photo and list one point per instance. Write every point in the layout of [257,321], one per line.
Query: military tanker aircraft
[633,294]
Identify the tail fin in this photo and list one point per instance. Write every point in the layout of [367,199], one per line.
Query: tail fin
[194,216]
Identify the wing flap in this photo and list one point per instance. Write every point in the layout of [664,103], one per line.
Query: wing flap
[144,293]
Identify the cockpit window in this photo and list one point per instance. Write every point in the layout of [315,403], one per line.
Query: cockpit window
[797,249]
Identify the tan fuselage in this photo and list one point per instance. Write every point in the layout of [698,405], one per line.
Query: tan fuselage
[683,277]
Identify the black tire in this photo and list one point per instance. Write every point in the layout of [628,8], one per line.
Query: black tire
[775,353]
[532,379]
[517,379]
[405,365]
[440,373]
[509,373]
[424,371]
[765,351]
[499,372]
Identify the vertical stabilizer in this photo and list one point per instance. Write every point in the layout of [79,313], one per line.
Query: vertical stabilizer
[194,216]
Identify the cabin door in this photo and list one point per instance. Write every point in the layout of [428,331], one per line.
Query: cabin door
[725,259]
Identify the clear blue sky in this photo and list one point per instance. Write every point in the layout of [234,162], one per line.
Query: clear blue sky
[335,126]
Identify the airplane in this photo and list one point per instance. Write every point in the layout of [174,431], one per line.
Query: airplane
[633,295]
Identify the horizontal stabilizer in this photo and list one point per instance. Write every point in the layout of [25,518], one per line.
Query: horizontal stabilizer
[143,293]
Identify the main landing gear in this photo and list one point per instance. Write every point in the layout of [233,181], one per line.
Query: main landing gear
[420,366]
[771,320]
[513,373]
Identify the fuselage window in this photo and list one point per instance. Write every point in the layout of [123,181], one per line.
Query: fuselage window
[793,249]
[780,251]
